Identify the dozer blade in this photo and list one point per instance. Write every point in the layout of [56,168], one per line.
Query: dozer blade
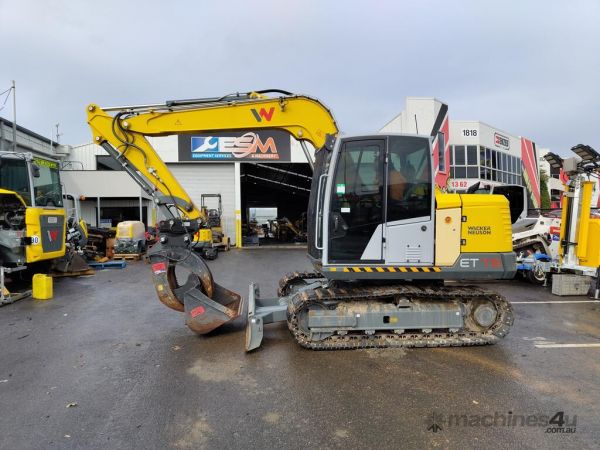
[206,304]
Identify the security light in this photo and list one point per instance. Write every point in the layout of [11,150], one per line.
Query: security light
[554,160]
[586,153]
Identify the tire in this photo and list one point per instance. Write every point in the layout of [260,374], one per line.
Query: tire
[535,278]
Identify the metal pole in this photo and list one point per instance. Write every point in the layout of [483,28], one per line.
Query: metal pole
[571,255]
[98,212]
[1,136]
[141,219]
[307,154]
[2,284]
[14,89]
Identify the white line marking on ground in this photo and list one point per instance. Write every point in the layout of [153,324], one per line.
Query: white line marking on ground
[555,301]
[567,345]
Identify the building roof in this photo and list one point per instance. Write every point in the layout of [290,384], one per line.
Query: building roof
[27,131]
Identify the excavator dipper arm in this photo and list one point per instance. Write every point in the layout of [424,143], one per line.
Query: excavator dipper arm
[123,132]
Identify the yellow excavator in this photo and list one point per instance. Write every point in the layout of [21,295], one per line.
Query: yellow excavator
[383,240]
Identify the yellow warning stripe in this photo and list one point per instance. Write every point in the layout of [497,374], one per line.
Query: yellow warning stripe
[387,269]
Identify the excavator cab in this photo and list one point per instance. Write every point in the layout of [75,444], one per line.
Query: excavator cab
[375,202]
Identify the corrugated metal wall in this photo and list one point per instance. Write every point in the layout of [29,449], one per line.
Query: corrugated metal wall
[210,178]
[25,142]
[83,157]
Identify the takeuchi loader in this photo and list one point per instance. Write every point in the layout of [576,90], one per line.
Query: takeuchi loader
[382,238]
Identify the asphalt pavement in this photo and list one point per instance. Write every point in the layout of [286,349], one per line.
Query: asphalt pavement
[105,365]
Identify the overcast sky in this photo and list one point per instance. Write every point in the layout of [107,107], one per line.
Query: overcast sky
[531,68]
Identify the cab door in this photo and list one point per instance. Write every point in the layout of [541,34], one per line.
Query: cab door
[356,211]
[409,228]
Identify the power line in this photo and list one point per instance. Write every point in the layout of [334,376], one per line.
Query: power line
[7,92]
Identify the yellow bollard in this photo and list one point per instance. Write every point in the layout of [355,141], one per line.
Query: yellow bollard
[42,287]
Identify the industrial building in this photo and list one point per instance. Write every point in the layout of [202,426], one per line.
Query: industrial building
[274,181]
[473,151]
[27,140]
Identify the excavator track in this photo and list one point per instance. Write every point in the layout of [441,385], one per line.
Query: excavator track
[293,279]
[330,298]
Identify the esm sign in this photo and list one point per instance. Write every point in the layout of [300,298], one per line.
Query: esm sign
[264,145]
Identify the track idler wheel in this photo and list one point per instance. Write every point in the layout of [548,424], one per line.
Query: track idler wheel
[206,304]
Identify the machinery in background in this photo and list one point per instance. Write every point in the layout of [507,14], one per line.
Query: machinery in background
[284,230]
[74,260]
[514,193]
[576,249]
[32,219]
[130,238]
[382,238]
[579,249]
[537,235]
[536,243]
[214,220]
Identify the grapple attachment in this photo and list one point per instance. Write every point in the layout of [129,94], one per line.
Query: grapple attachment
[206,304]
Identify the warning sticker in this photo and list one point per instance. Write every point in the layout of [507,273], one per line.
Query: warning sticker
[197,311]
[340,188]
[159,268]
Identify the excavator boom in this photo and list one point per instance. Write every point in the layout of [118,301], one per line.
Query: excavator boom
[123,133]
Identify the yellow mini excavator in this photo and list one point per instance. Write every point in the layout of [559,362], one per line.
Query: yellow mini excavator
[383,240]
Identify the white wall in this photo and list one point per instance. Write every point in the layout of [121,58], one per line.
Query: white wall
[100,183]
[210,178]
[83,157]
[485,136]
[418,117]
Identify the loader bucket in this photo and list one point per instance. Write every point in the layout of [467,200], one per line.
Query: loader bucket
[204,314]
[206,304]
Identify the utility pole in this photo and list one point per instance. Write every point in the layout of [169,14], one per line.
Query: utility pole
[14,89]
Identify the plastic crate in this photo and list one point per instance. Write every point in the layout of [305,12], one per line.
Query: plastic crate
[568,284]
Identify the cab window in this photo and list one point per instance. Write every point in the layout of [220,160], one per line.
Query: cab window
[409,178]
[14,176]
[46,187]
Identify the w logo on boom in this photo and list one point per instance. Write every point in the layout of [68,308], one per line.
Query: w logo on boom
[263,114]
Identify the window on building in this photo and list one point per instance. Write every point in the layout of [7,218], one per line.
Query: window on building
[471,155]
[466,163]
[459,155]
[484,163]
